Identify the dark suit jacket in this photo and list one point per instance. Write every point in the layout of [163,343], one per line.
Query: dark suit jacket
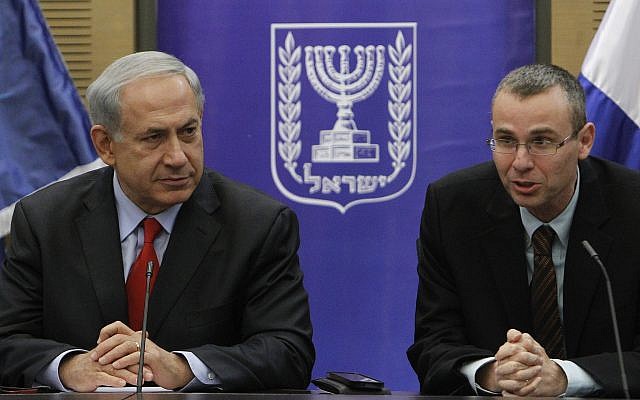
[229,287]
[473,281]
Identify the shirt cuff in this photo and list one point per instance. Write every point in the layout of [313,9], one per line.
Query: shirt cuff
[49,375]
[204,377]
[579,382]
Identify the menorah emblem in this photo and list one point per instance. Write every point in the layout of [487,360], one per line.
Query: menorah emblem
[345,142]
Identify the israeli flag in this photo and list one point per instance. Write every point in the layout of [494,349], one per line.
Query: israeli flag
[610,76]
[44,128]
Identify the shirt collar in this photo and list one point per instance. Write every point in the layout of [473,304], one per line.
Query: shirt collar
[130,215]
[560,224]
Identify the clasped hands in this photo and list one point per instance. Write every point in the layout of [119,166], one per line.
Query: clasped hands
[114,362]
[522,368]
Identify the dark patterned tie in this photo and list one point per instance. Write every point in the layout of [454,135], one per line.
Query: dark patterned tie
[547,326]
[137,280]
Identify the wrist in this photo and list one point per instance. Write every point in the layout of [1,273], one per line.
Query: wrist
[184,375]
[486,378]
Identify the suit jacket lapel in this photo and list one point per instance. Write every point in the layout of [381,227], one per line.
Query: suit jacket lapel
[193,234]
[100,241]
[582,276]
[507,262]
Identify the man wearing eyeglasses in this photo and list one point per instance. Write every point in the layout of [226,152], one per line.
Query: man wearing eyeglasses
[508,301]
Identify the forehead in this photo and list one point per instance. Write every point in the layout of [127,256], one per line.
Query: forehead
[157,91]
[548,110]
[158,98]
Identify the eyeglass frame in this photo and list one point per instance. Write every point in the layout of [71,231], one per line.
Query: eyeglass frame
[491,142]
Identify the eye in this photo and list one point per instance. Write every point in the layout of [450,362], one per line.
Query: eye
[506,140]
[541,141]
[189,132]
[153,137]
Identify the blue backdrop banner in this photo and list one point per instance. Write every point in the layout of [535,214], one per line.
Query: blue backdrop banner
[346,110]
[44,128]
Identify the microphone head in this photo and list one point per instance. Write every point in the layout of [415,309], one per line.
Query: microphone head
[589,249]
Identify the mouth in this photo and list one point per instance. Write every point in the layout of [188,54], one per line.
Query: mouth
[175,181]
[524,187]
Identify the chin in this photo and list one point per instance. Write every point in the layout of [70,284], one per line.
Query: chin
[523,201]
[172,198]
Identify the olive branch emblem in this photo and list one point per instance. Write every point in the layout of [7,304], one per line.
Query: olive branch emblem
[399,105]
[289,126]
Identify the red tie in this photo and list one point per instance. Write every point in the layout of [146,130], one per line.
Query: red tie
[137,281]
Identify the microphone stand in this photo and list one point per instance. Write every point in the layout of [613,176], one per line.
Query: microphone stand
[143,337]
[614,319]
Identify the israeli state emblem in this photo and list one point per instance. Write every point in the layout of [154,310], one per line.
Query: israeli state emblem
[343,112]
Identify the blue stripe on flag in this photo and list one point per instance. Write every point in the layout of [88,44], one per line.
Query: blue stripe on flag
[617,135]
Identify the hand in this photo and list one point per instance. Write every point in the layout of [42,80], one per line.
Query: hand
[166,369]
[79,372]
[524,369]
[508,369]
[517,366]
[84,373]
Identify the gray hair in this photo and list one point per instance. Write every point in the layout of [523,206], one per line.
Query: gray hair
[103,95]
[530,80]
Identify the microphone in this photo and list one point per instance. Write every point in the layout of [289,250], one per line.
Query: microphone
[143,337]
[614,319]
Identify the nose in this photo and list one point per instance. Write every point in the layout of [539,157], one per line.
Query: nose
[522,160]
[174,155]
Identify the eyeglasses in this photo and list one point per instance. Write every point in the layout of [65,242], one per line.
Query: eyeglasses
[538,147]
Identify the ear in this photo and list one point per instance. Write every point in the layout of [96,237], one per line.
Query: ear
[585,140]
[103,143]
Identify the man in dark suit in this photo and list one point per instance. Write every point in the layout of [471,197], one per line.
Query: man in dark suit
[479,328]
[228,309]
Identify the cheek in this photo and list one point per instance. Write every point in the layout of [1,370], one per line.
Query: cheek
[502,165]
[558,174]
[195,154]
[139,167]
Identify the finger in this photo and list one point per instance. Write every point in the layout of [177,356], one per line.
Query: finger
[123,349]
[523,357]
[513,335]
[124,374]
[508,369]
[522,375]
[127,360]
[531,387]
[519,385]
[539,350]
[528,388]
[106,379]
[147,374]
[114,328]
[511,385]
[529,343]
[109,344]
[508,350]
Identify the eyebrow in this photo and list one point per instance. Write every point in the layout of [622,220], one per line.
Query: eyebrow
[190,121]
[503,131]
[543,131]
[537,131]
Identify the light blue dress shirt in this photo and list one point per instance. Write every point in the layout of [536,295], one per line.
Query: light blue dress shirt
[130,217]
